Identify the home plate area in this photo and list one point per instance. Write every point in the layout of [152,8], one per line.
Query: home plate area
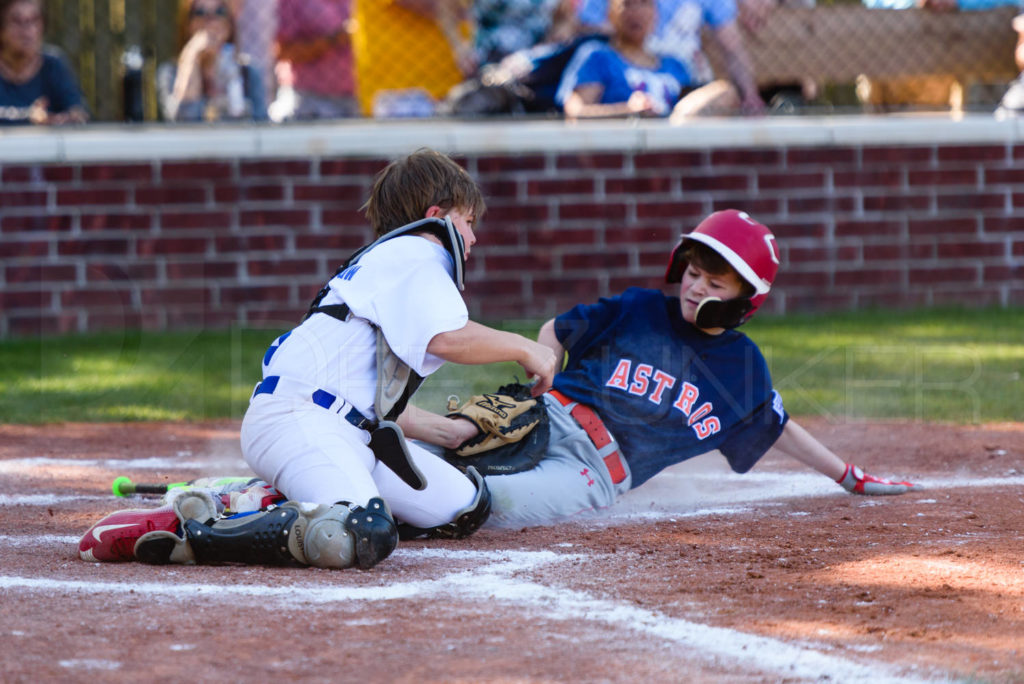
[700,575]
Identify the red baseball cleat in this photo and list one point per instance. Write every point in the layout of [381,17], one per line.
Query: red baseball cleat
[113,538]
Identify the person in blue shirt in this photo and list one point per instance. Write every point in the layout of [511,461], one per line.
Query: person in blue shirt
[652,380]
[36,84]
[622,77]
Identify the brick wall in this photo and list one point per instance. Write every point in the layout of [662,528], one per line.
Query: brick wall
[92,245]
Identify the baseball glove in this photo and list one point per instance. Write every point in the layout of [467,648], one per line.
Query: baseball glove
[513,431]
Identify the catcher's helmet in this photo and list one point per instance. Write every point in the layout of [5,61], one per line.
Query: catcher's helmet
[748,246]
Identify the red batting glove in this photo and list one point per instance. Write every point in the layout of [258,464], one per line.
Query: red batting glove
[857,481]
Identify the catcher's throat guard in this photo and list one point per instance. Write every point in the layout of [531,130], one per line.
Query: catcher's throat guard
[388,444]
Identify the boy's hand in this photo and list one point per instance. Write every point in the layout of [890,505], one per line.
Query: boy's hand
[857,481]
[541,365]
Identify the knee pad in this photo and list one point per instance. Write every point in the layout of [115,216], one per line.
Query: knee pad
[374,532]
[466,522]
[326,541]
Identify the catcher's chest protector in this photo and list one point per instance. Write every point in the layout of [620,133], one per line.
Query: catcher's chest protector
[396,381]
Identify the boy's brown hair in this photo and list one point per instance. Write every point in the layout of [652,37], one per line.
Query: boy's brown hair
[404,190]
[710,261]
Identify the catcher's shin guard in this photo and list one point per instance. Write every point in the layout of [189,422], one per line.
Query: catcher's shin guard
[374,532]
[466,522]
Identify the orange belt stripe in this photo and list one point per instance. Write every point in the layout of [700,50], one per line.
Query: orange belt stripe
[598,433]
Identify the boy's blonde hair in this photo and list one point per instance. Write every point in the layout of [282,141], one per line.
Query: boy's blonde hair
[404,190]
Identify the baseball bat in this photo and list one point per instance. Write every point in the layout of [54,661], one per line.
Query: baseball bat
[123,486]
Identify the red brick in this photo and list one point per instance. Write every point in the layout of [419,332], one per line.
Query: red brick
[761,207]
[995,176]
[869,276]
[817,205]
[642,235]
[88,246]
[263,192]
[787,181]
[499,188]
[331,192]
[89,298]
[973,249]
[115,222]
[229,244]
[943,274]
[39,222]
[188,270]
[37,325]
[819,301]
[279,267]
[638,186]
[578,289]
[255,294]
[119,272]
[92,196]
[272,168]
[163,246]
[342,241]
[165,194]
[651,282]
[117,172]
[789,278]
[943,177]
[346,218]
[896,155]
[501,286]
[746,157]
[14,275]
[30,299]
[806,255]
[830,156]
[516,213]
[682,160]
[1003,224]
[792,229]
[686,211]
[22,249]
[485,165]
[96,321]
[886,178]
[291,218]
[575,261]
[1018,248]
[940,226]
[521,262]
[1002,274]
[714,182]
[272,317]
[890,202]
[561,186]
[192,296]
[603,162]
[22,198]
[970,200]
[555,237]
[191,170]
[611,211]
[205,220]
[364,168]
[887,252]
[975,153]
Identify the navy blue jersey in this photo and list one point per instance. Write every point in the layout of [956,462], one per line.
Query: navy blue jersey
[666,390]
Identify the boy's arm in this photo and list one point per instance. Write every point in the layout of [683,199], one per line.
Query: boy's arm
[476,344]
[547,337]
[432,428]
[797,443]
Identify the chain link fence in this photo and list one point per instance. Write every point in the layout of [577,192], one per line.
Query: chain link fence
[324,59]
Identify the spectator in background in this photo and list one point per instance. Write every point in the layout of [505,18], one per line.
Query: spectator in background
[677,33]
[1012,103]
[36,84]
[316,70]
[622,77]
[507,26]
[211,80]
[410,53]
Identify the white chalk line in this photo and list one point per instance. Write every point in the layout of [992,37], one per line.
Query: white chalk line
[23,465]
[497,577]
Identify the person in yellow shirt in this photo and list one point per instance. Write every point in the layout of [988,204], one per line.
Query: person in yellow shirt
[409,53]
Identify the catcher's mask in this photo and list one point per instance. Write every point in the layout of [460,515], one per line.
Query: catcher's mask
[749,247]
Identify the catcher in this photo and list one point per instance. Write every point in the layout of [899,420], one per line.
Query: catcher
[650,381]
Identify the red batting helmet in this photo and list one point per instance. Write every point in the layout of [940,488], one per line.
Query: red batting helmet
[747,245]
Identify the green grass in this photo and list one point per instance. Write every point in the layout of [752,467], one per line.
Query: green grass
[937,365]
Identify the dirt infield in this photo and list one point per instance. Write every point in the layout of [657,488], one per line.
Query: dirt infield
[700,575]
